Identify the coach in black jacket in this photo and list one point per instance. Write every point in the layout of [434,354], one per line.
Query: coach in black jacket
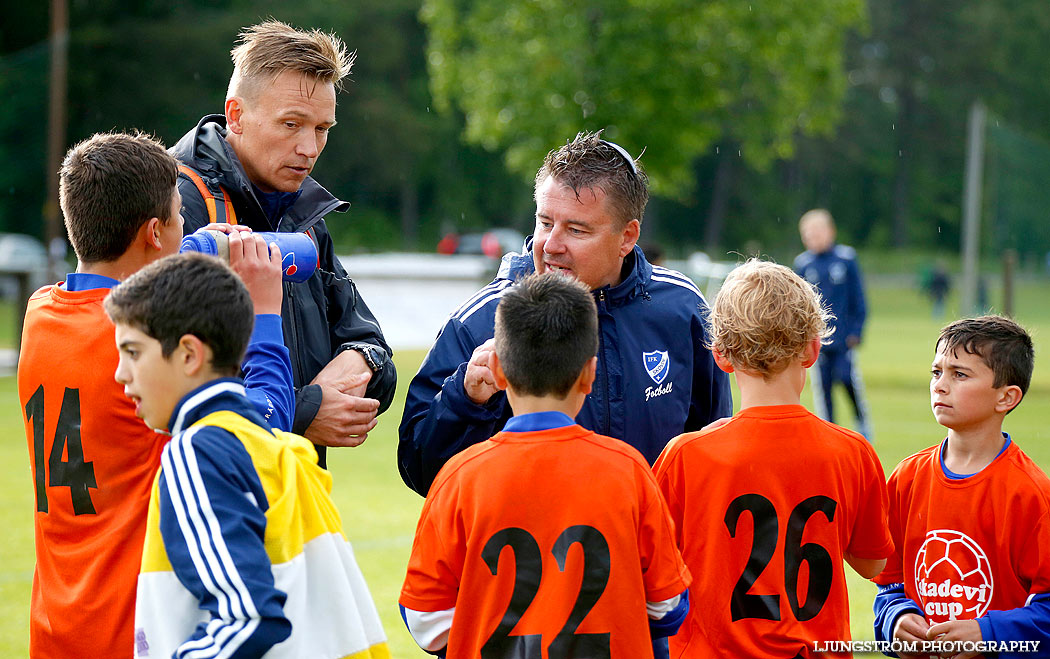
[258,155]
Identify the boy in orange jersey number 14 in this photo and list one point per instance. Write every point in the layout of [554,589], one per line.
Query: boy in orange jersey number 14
[547,540]
[767,505]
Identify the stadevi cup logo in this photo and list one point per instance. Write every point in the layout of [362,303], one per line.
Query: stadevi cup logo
[953,577]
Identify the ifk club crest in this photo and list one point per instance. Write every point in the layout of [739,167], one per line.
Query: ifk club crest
[657,364]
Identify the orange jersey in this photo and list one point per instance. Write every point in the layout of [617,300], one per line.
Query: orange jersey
[957,564]
[765,508]
[547,543]
[93,463]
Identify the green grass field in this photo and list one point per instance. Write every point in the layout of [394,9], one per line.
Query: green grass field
[380,513]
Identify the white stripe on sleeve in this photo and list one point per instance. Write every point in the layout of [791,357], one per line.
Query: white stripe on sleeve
[429,628]
[210,554]
[658,610]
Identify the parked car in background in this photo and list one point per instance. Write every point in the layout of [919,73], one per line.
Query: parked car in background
[19,253]
[493,243]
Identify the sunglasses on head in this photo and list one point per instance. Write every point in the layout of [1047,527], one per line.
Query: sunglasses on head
[623,152]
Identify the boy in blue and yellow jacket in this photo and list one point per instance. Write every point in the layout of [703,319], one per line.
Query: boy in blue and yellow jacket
[241,523]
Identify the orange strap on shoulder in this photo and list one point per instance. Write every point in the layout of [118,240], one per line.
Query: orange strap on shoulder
[231,215]
[209,197]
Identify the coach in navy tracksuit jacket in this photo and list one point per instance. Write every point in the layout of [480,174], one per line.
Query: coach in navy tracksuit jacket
[655,377]
[833,270]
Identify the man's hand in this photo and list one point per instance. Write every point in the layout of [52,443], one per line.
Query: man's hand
[911,628]
[955,631]
[852,341]
[479,383]
[259,267]
[345,416]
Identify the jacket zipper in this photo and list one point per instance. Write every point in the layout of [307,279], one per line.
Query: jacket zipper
[606,423]
[289,290]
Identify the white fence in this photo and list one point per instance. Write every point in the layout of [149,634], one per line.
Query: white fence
[412,295]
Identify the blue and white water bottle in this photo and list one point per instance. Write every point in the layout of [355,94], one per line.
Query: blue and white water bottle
[298,252]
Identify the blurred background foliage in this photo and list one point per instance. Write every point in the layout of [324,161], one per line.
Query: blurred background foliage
[749,112]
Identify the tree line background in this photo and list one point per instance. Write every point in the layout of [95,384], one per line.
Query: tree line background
[749,113]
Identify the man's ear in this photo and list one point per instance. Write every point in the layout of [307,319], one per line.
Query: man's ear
[585,382]
[498,376]
[192,354]
[234,114]
[629,237]
[1009,397]
[720,361]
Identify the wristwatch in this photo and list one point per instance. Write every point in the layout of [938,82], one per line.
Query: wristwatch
[374,356]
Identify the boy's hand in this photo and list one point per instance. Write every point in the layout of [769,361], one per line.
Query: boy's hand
[955,631]
[912,628]
[478,382]
[345,416]
[259,266]
[222,227]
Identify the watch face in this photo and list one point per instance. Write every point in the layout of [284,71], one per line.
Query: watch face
[368,352]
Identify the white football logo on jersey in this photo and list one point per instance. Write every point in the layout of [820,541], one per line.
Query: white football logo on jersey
[953,577]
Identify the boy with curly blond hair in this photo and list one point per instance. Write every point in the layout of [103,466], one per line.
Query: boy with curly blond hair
[768,504]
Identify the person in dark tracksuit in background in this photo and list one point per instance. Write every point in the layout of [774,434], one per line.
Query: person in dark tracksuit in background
[833,270]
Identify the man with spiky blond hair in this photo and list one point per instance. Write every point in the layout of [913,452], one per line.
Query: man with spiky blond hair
[251,165]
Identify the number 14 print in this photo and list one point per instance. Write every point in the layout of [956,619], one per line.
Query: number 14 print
[73,472]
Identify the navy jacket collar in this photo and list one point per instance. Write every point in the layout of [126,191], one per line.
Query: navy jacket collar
[221,394]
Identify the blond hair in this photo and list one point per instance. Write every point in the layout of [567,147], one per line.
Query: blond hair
[270,48]
[764,316]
